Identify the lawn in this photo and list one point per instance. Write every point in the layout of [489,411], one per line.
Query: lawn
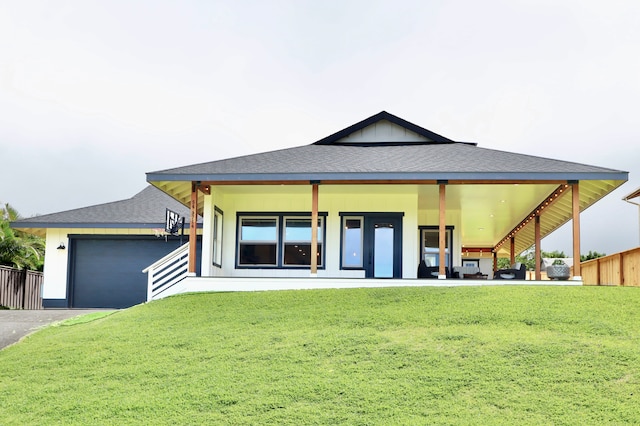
[406,356]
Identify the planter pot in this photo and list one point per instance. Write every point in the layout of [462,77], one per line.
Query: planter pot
[558,272]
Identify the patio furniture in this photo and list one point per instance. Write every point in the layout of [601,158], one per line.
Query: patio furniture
[478,276]
[516,272]
[430,272]
[559,271]
[461,271]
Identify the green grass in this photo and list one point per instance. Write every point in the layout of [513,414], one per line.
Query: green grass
[406,356]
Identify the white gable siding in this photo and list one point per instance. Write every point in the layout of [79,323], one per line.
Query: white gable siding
[383,131]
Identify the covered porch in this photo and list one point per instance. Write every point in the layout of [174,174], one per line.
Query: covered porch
[488,220]
[479,221]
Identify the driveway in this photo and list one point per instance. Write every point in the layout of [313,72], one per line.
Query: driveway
[15,324]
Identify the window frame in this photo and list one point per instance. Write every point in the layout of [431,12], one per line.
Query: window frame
[240,241]
[343,221]
[449,238]
[280,242]
[285,242]
[216,237]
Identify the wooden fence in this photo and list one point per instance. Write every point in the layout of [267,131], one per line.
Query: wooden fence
[20,289]
[616,269]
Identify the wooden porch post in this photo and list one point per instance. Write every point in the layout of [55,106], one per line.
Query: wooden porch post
[495,260]
[314,229]
[512,254]
[575,192]
[442,233]
[537,255]
[193,227]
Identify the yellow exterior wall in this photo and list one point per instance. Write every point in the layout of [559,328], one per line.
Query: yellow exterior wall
[332,199]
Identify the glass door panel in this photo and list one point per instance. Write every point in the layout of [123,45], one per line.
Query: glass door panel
[383,250]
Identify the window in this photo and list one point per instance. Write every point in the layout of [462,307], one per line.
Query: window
[278,240]
[352,238]
[258,241]
[297,242]
[217,237]
[430,251]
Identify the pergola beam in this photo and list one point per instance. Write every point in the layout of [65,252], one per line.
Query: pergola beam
[537,255]
[442,231]
[193,227]
[383,182]
[575,192]
[314,229]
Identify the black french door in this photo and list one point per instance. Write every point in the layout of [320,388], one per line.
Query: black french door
[383,245]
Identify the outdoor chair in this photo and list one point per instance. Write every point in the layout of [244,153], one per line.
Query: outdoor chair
[514,273]
[430,272]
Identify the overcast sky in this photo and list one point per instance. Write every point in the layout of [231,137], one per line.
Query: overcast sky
[94,94]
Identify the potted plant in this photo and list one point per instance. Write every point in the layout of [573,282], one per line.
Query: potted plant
[558,270]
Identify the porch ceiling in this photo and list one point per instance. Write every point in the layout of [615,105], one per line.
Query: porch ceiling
[488,211]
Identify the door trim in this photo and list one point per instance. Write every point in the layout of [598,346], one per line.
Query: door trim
[370,219]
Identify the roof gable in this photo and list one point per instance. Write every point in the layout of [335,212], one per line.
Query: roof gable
[384,129]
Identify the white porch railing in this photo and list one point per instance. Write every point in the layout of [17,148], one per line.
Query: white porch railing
[167,272]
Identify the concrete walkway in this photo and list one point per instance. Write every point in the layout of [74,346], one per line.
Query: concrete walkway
[16,324]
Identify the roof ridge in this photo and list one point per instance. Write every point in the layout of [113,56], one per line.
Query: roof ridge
[384,115]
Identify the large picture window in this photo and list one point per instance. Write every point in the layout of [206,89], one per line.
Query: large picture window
[297,242]
[258,242]
[280,240]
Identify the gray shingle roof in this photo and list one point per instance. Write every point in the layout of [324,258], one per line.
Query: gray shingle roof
[434,157]
[426,161]
[144,210]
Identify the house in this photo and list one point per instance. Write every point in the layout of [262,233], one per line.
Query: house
[372,201]
[361,207]
[94,255]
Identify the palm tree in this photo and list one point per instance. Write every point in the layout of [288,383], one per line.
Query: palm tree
[19,249]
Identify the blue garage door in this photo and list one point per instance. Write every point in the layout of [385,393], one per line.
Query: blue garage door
[107,272]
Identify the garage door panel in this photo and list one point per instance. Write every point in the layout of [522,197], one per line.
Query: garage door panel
[107,273]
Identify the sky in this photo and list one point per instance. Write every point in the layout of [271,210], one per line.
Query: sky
[94,94]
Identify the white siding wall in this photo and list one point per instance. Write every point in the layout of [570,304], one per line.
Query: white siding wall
[486,267]
[55,265]
[216,199]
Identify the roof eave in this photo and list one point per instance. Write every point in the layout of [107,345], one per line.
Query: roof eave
[388,176]
[88,225]
[634,194]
